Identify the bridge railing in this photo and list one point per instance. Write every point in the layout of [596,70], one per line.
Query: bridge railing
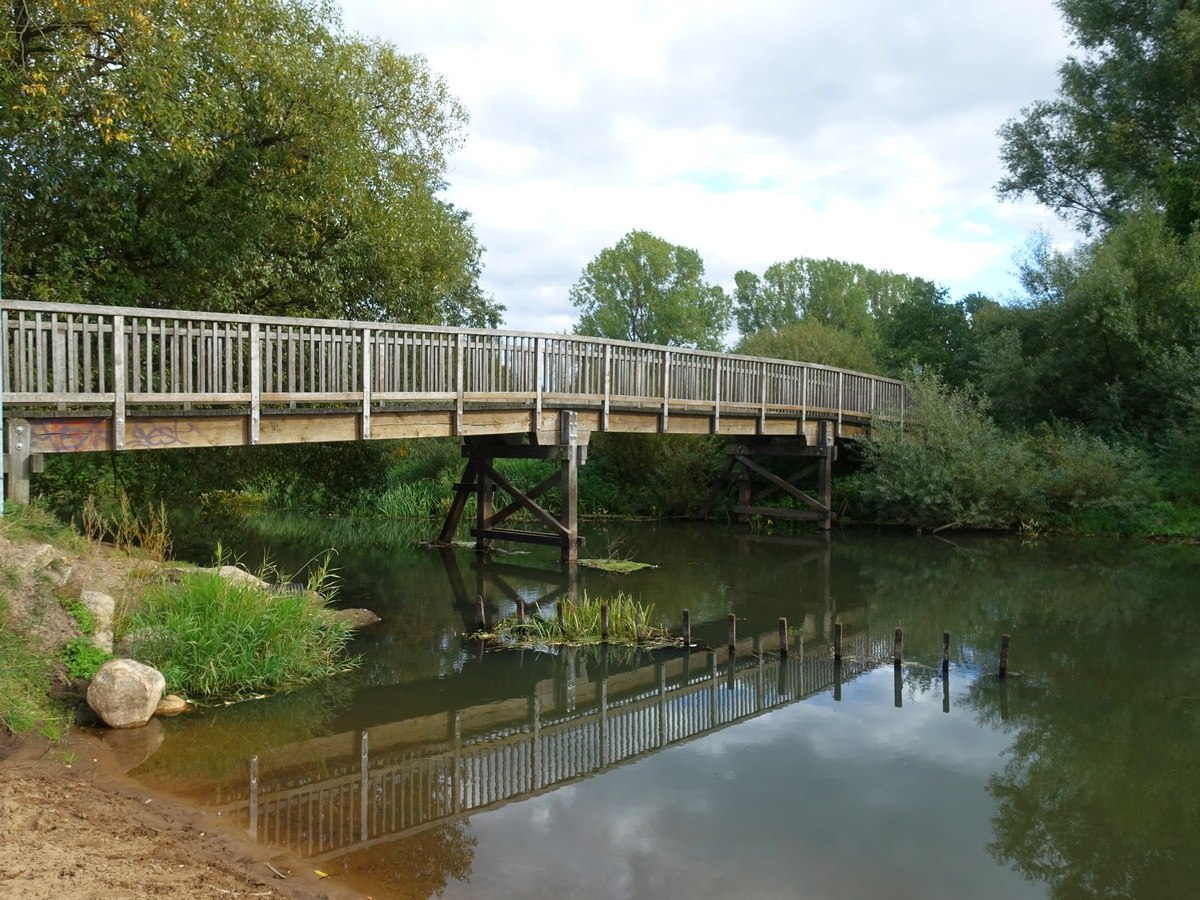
[71,356]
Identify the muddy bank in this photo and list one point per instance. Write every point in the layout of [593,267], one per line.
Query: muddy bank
[73,827]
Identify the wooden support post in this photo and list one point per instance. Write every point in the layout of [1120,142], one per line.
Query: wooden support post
[945,650]
[484,513]
[898,691]
[1004,641]
[731,623]
[560,616]
[480,613]
[254,796]
[945,690]
[837,641]
[783,638]
[18,466]
[898,648]
[825,474]
[568,437]
[604,622]
[687,630]
[520,611]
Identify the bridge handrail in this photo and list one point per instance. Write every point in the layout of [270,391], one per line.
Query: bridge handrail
[68,354]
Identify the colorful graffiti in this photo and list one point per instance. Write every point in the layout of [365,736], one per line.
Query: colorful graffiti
[70,435]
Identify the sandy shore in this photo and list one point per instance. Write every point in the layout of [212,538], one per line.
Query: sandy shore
[73,827]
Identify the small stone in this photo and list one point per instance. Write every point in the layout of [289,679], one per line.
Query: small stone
[172,705]
[235,575]
[358,618]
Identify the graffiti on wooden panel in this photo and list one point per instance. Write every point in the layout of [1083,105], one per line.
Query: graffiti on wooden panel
[159,433]
[70,436]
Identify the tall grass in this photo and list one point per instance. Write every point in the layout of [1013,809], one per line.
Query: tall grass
[214,638]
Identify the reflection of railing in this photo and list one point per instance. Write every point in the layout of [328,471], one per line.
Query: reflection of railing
[386,795]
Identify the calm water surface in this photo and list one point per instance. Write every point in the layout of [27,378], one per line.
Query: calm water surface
[641,775]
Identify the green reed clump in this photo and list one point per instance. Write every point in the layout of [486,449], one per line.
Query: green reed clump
[211,637]
[580,623]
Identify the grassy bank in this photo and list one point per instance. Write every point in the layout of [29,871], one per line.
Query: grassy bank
[211,637]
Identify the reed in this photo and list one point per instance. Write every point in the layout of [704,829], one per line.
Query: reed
[578,624]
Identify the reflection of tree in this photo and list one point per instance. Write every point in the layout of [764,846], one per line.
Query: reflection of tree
[419,866]
[1101,794]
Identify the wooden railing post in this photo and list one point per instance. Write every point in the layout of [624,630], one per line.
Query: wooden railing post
[666,407]
[255,383]
[539,350]
[458,383]
[368,370]
[716,420]
[120,382]
[607,387]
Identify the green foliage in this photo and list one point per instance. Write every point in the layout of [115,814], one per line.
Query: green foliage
[1122,130]
[244,156]
[645,289]
[951,465]
[34,522]
[215,638]
[846,296]
[83,616]
[83,659]
[1109,337]
[928,332]
[655,475]
[811,341]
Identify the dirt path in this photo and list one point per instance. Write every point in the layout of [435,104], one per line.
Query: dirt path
[72,827]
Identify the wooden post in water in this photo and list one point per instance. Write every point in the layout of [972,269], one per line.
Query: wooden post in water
[480,613]
[783,638]
[731,621]
[898,648]
[254,796]
[520,611]
[604,622]
[1004,640]
[945,690]
[561,615]
[945,650]
[687,630]
[899,687]
[837,642]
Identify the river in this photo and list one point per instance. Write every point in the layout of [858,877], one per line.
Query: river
[439,769]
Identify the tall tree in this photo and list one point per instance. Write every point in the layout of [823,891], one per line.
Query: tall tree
[236,155]
[1125,126]
[646,289]
[843,295]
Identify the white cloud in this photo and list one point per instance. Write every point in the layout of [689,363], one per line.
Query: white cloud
[752,132]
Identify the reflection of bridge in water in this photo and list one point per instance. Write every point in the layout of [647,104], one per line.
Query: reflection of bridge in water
[395,780]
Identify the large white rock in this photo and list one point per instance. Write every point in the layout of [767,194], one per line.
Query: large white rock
[125,693]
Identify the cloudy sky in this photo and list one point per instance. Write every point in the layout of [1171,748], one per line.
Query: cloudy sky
[753,132]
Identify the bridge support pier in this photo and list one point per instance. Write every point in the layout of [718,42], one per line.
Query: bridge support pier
[744,466]
[481,478]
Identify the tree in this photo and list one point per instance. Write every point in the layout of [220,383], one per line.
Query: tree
[1110,337]
[847,296]
[930,331]
[240,156]
[1125,126]
[646,289]
[811,341]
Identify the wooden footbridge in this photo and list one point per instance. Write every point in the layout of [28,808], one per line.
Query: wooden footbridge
[79,378]
[394,780]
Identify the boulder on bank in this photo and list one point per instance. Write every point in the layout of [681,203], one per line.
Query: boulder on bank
[125,693]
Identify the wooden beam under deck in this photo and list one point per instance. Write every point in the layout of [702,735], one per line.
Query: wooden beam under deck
[87,432]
